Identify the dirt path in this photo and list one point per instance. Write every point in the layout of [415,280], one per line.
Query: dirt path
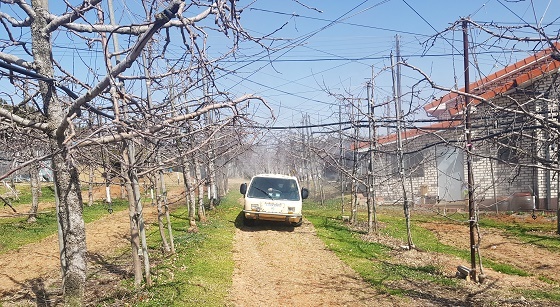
[279,265]
[40,259]
[39,262]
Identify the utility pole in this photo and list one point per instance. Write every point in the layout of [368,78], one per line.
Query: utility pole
[341,158]
[372,140]
[468,149]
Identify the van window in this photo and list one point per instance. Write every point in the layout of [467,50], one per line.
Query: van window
[273,188]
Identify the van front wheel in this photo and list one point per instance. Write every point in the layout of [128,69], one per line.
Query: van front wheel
[297,224]
[248,222]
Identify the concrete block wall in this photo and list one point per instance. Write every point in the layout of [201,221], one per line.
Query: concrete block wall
[493,179]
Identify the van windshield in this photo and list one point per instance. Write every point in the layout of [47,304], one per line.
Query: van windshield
[273,188]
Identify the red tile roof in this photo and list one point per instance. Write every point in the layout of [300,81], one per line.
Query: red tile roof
[497,83]
[409,134]
[493,85]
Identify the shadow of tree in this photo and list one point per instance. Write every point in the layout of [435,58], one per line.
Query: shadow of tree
[102,264]
[33,291]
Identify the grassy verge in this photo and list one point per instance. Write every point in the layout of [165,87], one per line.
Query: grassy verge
[539,234]
[24,194]
[370,259]
[200,272]
[542,235]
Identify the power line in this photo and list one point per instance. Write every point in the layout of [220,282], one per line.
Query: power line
[383,57]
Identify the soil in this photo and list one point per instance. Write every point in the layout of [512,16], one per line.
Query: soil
[29,274]
[33,261]
[280,265]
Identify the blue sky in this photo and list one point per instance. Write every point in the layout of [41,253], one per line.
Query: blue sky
[337,48]
[332,46]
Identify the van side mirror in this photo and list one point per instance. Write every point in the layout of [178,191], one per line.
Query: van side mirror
[243,188]
[304,193]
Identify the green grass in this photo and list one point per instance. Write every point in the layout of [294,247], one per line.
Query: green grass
[17,232]
[428,241]
[360,255]
[24,194]
[536,234]
[200,273]
[541,235]
[545,294]
[368,259]
[504,268]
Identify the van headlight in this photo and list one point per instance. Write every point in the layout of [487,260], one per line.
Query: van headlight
[255,207]
[291,209]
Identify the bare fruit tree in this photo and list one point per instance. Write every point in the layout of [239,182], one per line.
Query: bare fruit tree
[112,87]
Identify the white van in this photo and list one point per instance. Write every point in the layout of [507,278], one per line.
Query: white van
[273,197]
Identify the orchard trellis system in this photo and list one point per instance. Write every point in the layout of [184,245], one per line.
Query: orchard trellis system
[145,109]
[141,111]
[520,118]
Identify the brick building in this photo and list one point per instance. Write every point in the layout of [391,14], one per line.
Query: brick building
[515,147]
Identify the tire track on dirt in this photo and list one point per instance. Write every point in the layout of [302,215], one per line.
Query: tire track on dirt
[279,265]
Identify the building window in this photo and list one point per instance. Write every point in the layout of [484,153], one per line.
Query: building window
[507,149]
[414,164]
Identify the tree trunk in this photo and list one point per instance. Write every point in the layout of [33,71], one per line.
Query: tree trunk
[200,196]
[35,188]
[134,229]
[140,221]
[190,197]
[70,218]
[161,213]
[211,177]
[67,184]
[166,209]
[225,183]
[138,230]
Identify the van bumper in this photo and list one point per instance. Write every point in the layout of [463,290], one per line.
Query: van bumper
[255,215]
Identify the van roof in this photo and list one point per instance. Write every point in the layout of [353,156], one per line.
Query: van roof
[275,176]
